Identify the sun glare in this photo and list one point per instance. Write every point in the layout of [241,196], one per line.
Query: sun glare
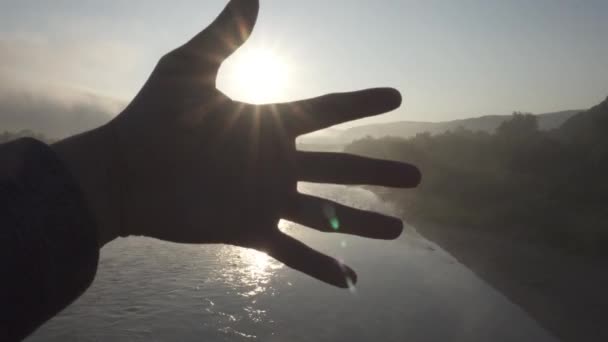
[259,76]
[257,261]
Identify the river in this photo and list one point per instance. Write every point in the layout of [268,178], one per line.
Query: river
[409,290]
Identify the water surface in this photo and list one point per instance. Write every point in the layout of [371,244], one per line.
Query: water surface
[408,290]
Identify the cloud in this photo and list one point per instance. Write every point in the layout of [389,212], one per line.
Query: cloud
[56,114]
[103,66]
[57,90]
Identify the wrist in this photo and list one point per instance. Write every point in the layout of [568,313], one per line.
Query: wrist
[89,157]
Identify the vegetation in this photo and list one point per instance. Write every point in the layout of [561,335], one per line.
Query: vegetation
[545,187]
[521,182]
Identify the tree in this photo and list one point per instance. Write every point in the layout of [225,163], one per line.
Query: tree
[521,125]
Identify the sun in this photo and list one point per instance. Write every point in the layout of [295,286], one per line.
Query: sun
[258,76]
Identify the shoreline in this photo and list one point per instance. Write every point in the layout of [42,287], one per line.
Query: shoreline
[565,294]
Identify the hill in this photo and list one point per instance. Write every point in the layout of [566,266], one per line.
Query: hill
[523,208]
[489,123]
[587,128]
[336,139]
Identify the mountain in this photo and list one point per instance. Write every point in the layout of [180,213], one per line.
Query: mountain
[587,128]
[326,140]
[406,129]
[335,139]
[525,209]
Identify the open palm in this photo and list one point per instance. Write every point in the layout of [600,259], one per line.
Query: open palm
[201,168]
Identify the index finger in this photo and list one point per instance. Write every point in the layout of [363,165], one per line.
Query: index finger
[305,116]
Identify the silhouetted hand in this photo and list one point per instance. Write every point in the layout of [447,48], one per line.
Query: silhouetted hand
[185,163]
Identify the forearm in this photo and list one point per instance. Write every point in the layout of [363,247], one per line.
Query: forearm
[48,242]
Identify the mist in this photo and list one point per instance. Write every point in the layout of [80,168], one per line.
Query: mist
[56,113]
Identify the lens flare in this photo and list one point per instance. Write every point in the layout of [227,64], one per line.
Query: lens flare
[330,213]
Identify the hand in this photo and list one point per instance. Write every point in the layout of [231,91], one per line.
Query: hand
[185,163]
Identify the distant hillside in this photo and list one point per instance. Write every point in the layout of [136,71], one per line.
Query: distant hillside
[333,139]
[406,129]
[587,128]
[523,208]
[545,186]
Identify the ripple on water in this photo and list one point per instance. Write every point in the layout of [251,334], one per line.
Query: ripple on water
[147,290]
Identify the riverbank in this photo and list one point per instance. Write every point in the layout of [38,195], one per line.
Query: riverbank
[565,293]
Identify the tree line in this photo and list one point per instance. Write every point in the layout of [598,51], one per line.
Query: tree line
[519,182]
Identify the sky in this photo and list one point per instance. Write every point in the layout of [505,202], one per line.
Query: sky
[450,59]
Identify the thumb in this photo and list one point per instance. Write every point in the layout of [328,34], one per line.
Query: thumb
[227,32]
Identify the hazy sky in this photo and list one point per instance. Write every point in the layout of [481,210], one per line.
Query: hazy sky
[450,59]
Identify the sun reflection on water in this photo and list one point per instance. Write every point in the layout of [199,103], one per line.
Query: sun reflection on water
[246,271]
[247,277]
[258,261]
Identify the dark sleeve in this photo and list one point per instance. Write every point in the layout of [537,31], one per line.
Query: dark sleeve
[48,242]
